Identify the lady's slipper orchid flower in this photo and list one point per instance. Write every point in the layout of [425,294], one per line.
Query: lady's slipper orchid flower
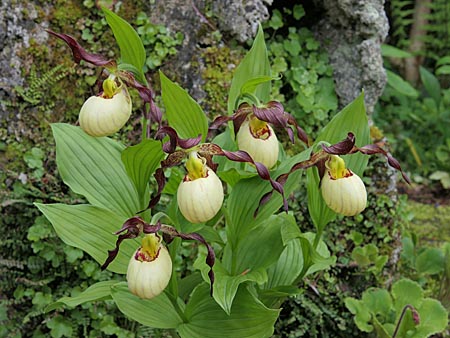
[106,114]
[258,139]
[150,268]
[342,190]
[200,194]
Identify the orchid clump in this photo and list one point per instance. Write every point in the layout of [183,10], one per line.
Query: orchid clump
[253,252]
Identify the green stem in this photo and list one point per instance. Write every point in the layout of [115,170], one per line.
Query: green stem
[144,128]
[317,238]
[177,308]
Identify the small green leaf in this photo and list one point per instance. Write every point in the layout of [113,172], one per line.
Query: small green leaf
[431,84]
[400,85]
[97,291]
[141,162]
[183,113]
[362,314]
[394,52]
[225,284]
[157,312]
[443,70]
[254,64]
[249,318]
[132,50]
[60,327]
[250,85]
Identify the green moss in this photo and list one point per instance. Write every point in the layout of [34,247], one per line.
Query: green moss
[220,63]
[430,222]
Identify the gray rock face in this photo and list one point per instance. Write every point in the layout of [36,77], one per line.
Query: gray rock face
[238,18]
[352,32]
[241,18]
[17,27]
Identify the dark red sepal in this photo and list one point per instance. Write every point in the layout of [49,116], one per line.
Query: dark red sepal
[79,53]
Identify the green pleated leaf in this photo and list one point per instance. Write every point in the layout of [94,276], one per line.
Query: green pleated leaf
[261,247]
[157,312]
[96,292]
[255,64]
[182,112]
[404,292]
[288,267]
[246,194]
[92,167]
[132,50]
[141,162]
[353,119]
[90,229]
[361,312]
[249,318]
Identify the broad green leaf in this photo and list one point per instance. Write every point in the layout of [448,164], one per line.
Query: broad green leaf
[431,84]
[92,167]
[139,75]
[157,312]
[132,50]
[182,112]
[254,64]
[96,292]
[433,318]
[430,261]
[404,292]
[401,85]
[225,284]
[353,119]
[92,230]
[361,312]
[249,318]
[141,162]
[394,52]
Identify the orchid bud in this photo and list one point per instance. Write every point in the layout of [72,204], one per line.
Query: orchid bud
[342,190]
[150,268]
[104,115]
[200,194]
[258,139]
